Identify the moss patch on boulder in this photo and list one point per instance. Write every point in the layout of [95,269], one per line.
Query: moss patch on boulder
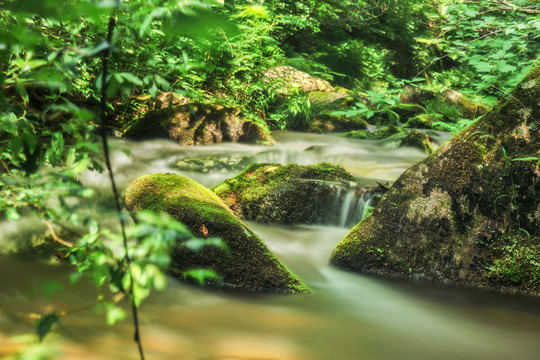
[248,264]
[423,121]
[216,163]
[197,124]
[329,122]
[467,214]
[282,194]
[412,138]
[296,79]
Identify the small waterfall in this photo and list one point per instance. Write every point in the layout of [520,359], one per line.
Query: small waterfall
[346,208]
[365,204]
[339,204]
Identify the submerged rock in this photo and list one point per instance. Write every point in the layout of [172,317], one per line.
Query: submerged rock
[404,137]
[296,194]
[468,214]
[247,264]
[197,124]
[207,164]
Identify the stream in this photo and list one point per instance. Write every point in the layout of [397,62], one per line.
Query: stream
[349,316]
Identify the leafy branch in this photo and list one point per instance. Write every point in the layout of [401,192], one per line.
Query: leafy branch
[103,132]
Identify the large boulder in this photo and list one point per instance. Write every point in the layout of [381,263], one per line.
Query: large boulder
[197,124]
[296,194]
[468,214]
[297,79]
[247,264]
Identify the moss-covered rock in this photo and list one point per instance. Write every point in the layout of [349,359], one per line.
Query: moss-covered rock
[216,163]
[327,97]
[297,80]
[465,105]
[290,194]
[248,264]
[416,95]
[384,117]
[405,137]
[423,121]
[466,214]
[329,122]
[407,111]
[418,140]
[196,124]
[378,134]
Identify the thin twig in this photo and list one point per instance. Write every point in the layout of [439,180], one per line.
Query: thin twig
[5,166]
[55,237]
[525,10]
[106,154]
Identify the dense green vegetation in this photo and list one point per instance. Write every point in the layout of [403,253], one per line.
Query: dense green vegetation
[68,77]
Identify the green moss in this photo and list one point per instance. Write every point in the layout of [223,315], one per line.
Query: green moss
[278,193]
[385,117]
[423,121]
[519,261]
[248,264]
[378,134]
[358,134]
[407,111]
[419,140]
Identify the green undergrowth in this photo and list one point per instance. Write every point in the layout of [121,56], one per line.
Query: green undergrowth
[519,261]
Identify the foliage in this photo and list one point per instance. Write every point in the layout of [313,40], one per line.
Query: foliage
[378,110]
[495,42]
[297,112]
[50,81]
[359,41]
[519,262]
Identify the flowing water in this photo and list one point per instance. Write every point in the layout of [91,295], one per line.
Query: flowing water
[349,316]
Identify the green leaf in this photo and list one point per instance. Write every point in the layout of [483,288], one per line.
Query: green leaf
[528,158]
[482,66]
[12,214]
[132,79]
[114,313]
[45,324]
[198,244]
[201,275]
[198,26]
[164,84]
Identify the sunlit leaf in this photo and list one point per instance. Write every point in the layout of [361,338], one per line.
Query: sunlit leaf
[132,79]
[114,314]
[197,27]
[12,214]
[528,158]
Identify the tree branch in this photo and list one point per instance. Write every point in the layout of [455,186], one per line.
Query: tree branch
[106,155]
[514,7]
